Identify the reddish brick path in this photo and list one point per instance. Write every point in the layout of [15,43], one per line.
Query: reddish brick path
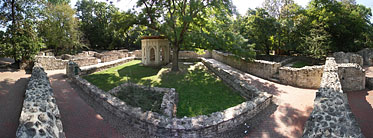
[361,103]
[78,118]
[12,90]
[294,106]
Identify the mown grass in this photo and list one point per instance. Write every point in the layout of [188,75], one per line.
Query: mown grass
[200,91]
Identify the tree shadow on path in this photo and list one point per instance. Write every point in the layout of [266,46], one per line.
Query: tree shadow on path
[11,103]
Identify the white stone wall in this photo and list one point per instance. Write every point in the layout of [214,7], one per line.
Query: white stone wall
[351,76]
[261,68]
[306,77]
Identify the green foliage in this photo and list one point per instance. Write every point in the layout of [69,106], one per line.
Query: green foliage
[317,43]
[20,41]
[259,28]
[59,29]
[104,27]
[190,24]
[200,91]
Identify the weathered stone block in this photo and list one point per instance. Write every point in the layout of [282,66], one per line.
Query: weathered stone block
[341,57]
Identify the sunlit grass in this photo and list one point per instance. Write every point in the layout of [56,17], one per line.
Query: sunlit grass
[200,91]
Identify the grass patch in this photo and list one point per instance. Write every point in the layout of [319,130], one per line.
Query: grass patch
[200,91]
[300,64]
[146,99]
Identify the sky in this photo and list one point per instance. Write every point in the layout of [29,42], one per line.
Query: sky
[241,5]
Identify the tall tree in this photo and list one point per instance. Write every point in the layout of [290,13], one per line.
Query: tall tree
[96,18]
[174,18]
[259,28]
[59,29]
[20,18]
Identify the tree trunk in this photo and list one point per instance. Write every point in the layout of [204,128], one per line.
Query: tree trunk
[175,58]
[14,30]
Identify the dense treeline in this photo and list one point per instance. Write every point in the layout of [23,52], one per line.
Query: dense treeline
[280,27]
[323,26]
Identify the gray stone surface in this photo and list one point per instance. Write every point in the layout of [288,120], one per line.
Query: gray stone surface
[367,55]
[50,62]
[351,76]
[341,57]
[331,116]
[40,117]
[306,77]
[164,126]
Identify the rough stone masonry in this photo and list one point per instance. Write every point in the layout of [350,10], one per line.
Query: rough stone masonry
[40,117]
[331,116]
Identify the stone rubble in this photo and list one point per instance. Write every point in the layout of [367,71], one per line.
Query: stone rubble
[40,117]
[341,57]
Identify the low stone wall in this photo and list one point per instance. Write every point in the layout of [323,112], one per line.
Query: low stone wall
[306,77]
[40,116]
[331,116]
[85,61]
[193,54]
[351,76]
[50,62]
[169,100]
[341,57]
[261,68]
[137,54]
[367,55]
[101,66]
[369,83]
[164,126]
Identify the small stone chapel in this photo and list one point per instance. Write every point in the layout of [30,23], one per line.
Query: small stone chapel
[155,51]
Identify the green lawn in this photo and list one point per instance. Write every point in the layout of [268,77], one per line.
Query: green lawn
[200,91]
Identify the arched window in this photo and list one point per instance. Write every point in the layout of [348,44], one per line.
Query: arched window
[152,54]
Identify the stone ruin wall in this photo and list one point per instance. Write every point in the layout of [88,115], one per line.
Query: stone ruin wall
[163,126]
[367,55]
[40,117]
[331,116]
[261,68]
[51,62]
[341,57]
[351,76]
[86,58]
[306,77]
[102,66]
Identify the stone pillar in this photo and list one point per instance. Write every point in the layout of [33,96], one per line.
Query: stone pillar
[72,69]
